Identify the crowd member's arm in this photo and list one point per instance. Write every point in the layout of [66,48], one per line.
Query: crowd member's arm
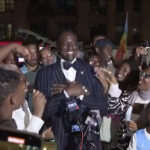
[132,144]
[132,125]
[139,51]
[48,133]
[141,121]
[116,102]
[100,74]
[107,79]
[36,122]
[15,48]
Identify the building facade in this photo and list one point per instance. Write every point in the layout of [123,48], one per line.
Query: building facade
[85,17]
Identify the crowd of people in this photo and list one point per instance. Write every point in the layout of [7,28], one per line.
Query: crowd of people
[50,92]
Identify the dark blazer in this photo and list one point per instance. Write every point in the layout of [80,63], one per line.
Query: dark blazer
[55,106]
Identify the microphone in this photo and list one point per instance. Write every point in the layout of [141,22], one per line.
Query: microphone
[74,111]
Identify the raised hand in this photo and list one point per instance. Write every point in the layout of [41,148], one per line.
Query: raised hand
[105,77]
[100,74]
[20,50]
[39,101]
[140,50]
[111,79]
[48,133]
[132,125]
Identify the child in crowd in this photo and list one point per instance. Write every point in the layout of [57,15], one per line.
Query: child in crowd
[141,138]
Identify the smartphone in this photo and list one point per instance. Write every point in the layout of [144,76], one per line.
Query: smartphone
[21,60]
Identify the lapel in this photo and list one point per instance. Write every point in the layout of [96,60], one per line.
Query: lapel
[62,79]
[80,71]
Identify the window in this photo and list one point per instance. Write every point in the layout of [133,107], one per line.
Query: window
[6,5]
[119,5]
[99,29]
[39,7]
[99,6]
[137,6]
[2,6]
[5,31]
[66,6]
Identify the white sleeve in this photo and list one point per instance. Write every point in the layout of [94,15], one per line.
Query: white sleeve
[132,144]
[66,94]
[35,124]
[81,97]
[114,90]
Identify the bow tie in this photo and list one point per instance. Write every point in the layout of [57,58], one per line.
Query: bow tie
[67,65]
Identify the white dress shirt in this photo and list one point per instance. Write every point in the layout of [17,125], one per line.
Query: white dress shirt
[25,120]
[70,75]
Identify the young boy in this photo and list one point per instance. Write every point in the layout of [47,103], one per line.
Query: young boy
[141,138]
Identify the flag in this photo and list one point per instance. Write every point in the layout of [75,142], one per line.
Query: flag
[123,44]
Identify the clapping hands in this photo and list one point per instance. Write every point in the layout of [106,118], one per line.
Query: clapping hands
[72,89]
[39,101]
[106,77]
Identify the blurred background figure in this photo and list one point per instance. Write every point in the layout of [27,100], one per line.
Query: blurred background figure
[141,54]
[29,69]
[9,53]
[46,56]
[96,38]
[92,58]
[31,64]
[104,50]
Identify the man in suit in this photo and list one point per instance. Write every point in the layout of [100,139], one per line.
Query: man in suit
[68,78]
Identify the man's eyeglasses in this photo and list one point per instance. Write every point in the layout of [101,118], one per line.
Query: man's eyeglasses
[145,75]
